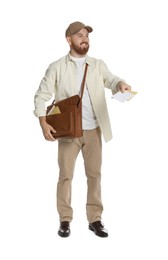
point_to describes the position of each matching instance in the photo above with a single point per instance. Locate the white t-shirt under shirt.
(89, 120)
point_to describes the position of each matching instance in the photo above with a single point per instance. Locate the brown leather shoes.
(64, 229)
(98, 228)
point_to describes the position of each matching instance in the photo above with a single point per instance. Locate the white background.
(131, 37)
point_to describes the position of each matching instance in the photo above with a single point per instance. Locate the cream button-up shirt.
(61, 80)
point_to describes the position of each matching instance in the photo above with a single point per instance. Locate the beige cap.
(75, 27)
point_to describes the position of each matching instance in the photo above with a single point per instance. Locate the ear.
(68, 38)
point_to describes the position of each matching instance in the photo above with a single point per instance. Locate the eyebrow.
(80, 34)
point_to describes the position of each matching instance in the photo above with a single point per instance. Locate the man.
(63, 78)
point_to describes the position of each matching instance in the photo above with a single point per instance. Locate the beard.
(82, 50)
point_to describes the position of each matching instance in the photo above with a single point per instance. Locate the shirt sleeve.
(45, 91)
(110, 80)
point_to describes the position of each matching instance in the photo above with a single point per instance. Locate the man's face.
(79, 42)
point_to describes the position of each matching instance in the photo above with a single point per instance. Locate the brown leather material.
(64, 229)
(98, 228)
(68, 123)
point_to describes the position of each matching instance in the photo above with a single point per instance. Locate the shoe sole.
(64, 235)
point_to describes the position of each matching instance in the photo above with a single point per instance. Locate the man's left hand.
(122, 86)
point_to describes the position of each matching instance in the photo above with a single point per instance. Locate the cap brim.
(88, 28)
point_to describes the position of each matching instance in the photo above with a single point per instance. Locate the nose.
(85, 39)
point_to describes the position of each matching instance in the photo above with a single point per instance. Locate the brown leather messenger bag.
(65, 116)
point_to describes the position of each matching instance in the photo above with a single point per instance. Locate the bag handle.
(83, 81)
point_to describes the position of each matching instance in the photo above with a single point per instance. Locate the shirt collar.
(88, 61)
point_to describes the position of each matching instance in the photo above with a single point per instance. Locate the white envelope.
(125, 96)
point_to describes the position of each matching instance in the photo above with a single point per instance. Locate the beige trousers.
(68, 150)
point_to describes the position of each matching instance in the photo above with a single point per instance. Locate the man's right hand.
(47, 129)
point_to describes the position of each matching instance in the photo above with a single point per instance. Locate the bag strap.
(83, 81)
